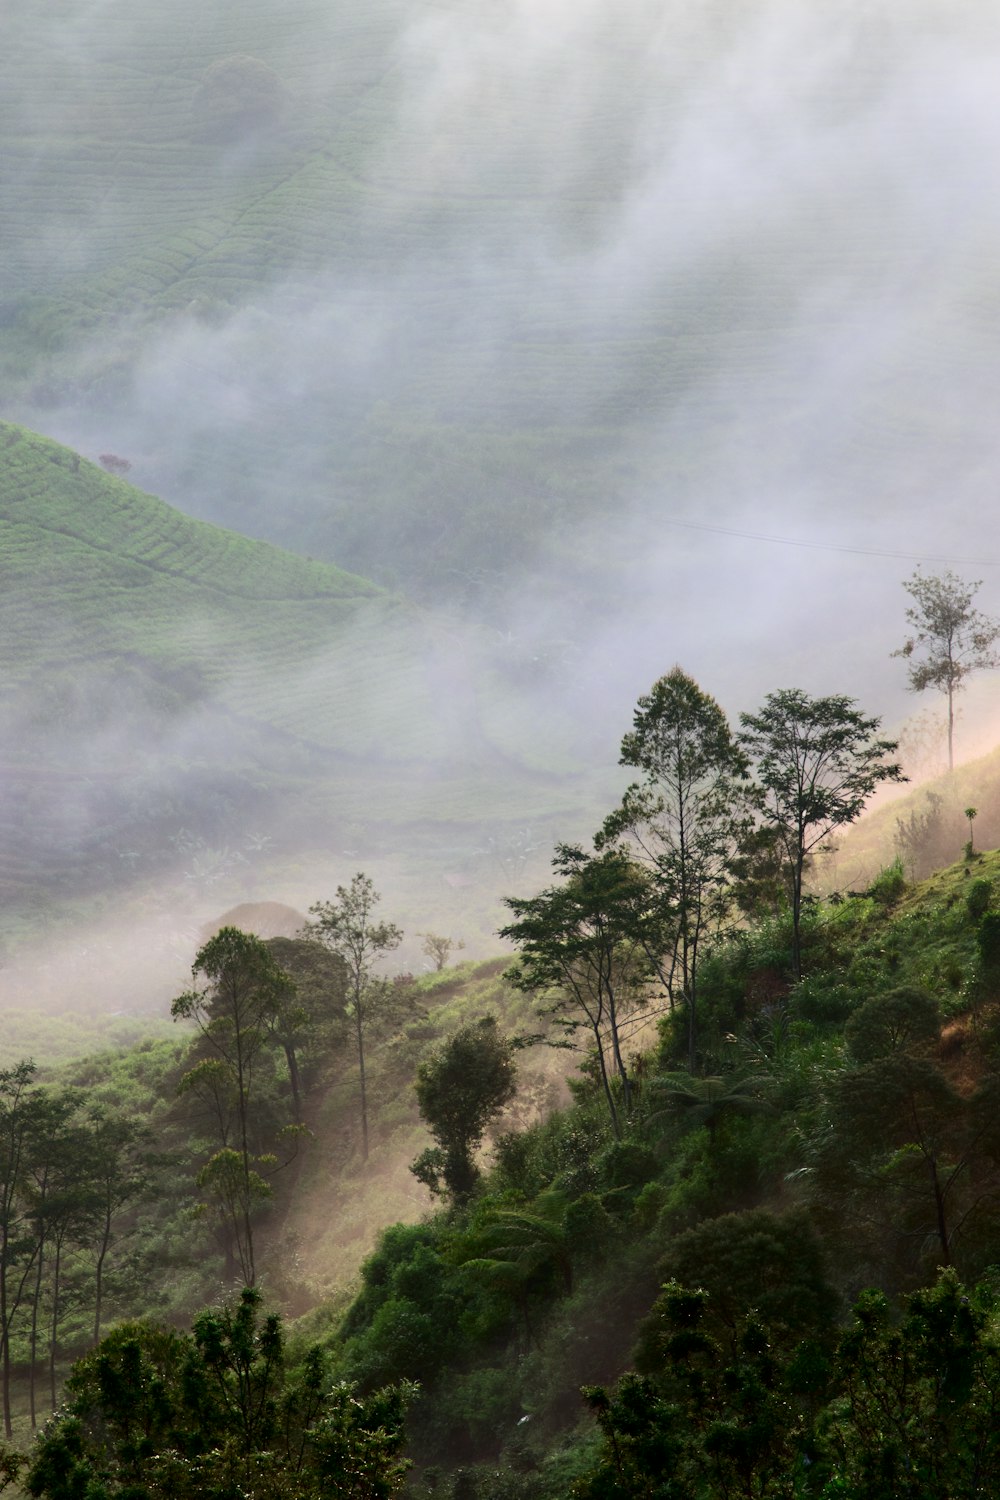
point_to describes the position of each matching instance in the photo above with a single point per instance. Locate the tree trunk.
(99, 1276)
(359, 1028)
(33, 1340)
(939, 1210)
(54, 1338)
(294, 1081)
(609, 1096)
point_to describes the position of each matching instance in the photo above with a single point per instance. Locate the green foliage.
(917, 1411)
(686, 820)
(708, 1101)
(817, 762)
(587, 941)
(710, 1417)
(348, 929)
(978, 897)
(889, 884)
(823, 1001)
(459, 1090)
(245, 1004)
(151, 1413)
(903, 1019)
(771, 1263)
(988, 942)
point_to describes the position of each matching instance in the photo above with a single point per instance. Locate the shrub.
(977, 898)
(897, 1021)
(823, 1001)
(627, 1164)
(889, 884)
(988, 941)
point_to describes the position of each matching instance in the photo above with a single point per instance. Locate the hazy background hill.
(497, 303)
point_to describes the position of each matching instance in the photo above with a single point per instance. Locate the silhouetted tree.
(587, 941)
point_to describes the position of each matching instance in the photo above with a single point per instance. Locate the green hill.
(176, 694)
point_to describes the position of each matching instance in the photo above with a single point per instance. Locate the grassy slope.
(875, 841)
(112, 573)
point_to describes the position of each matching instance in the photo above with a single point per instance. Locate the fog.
(614, 335)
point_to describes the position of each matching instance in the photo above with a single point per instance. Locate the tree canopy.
(817, 761)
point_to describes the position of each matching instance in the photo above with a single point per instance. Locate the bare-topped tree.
(951, 639)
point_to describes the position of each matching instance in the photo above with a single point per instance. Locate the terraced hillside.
(425, 288)
(171, 690)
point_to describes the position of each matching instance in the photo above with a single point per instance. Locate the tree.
(459, 1090)
(57, 1192)
(685, 820)
(950, 639)
(817, 763)
(709, 1100)
(903, 1160)
(236, 1013)
(899, 1020)
(25, 1117)
(347, 926)
(587, 940)
(517, 1251)
(214, 1414)
(120, 1175)
(439, 948)
(772, 1263)
(313, 1025)
(919, 1414)
(711, 1416)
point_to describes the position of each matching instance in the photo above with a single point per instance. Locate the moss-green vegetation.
(839, 1132)
(796, 1167)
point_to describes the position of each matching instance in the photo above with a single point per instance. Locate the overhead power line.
(785, 541)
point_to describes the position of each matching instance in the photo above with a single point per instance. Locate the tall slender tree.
(347, 926)
(585, 942)
(120, 1174)
(23, 1119)
(951, 639)
(685, 820)
(236, 1012)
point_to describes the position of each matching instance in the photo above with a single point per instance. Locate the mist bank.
(495, 306)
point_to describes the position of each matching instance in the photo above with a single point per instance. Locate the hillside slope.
(175, 692)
